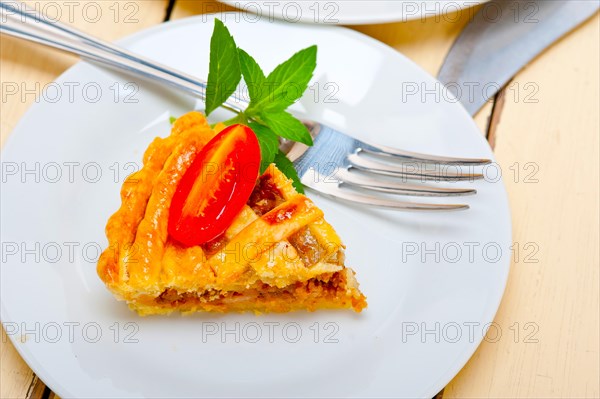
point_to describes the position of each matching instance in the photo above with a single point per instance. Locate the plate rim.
(363, 20)
(434, 388)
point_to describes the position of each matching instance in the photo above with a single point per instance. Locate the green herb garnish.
(270, 95)
(224, 72)
(287, 167)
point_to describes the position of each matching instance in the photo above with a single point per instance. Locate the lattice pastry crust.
(278, 255)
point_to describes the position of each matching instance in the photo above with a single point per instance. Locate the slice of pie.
(278, 254)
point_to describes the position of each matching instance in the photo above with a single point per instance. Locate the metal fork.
(337, 165)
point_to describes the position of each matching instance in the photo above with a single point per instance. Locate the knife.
(502, 38)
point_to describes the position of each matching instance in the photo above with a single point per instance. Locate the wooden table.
(548, 149)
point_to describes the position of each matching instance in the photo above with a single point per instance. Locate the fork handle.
(25, 24)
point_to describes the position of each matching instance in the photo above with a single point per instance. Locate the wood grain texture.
(188, 8)
(38, 389)
(558, 294)
(16, 378)
(558, 135)
(27, 66)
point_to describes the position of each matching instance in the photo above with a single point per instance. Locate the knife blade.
(502, 38)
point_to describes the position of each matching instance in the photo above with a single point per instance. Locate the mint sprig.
(286, 126)
(286, 83)
(224, 73)
(253, 75)
(270, 95)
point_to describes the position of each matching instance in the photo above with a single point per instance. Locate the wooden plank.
(16, 377)
(37, 389)
(28, 66)
(554, 140)
(188, 8)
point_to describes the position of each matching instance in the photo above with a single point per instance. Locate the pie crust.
(278, 255)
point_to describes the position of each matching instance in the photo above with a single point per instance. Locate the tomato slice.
(215, 187)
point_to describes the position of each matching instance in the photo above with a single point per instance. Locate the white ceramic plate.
(352, 12)
(416, 269)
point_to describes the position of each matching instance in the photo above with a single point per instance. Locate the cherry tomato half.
(215, 187)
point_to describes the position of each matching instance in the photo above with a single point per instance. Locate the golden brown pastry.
(278, 254)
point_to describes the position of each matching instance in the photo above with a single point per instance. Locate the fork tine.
(400, 188)
(333, 190)
(368, 165)
(395, 153)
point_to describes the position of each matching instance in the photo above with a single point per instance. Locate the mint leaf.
(269, 144)
(287, 167)
(269, 95)
(286, 83)
(287, 126)
(224, 71)
(253, 75)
